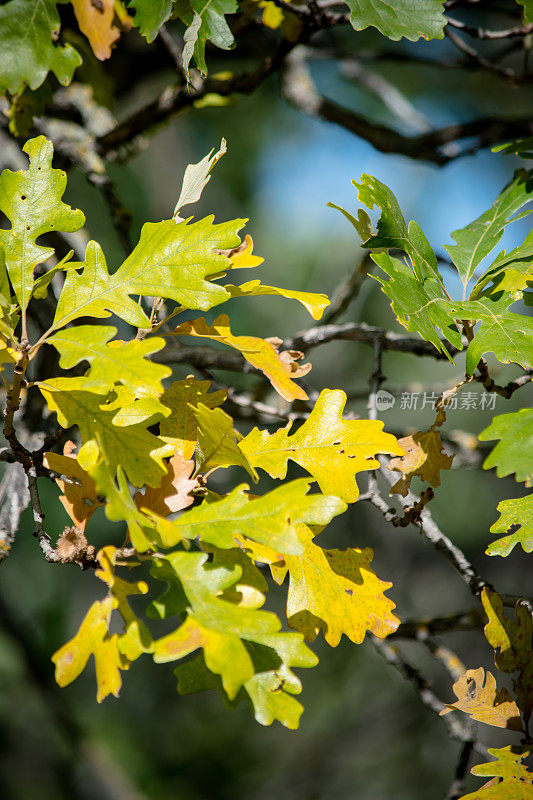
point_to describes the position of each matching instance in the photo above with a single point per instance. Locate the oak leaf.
(217, 442)
(93, 639)
(96, 21)
(180, 428)
(314, 303)
(80, 500)
(512, 641)
(270, 520)
(516, 514)
(336, 592)
(228, 634)
(260, 353)
(133, 447)
(478, 696)
(424, 458)
(333, 591)
(174, 492)
(511, 780)
(331, 449)
(31, 200)
(111, 362)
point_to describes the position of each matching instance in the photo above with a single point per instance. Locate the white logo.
(384, 400)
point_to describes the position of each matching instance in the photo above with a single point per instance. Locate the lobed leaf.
(514, 451)
(263, 354)
(512, 641)
(180, 428)
(314, 303)
(217, 442)
(31, 200)
(478, 696)
(420, 306)
(331, 449)
(111, 362)
(231, 636)
(132, 447)
(172, 260)
(518, 514)
(480, 237)
(269, 520)
(424, 457)
(81, 499)
(28, 32)
(412, 19)
(511, 779)
(333, 591)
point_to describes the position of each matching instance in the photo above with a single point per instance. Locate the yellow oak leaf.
(510, 778)
(511, 641)
(180, 428)
(93, 639)
(333, 591)
(174, 492)
(478, 696)
(424, 457)
(79, 499)
(333, 450)
(279, 368)
(314, 303)
(96, 21)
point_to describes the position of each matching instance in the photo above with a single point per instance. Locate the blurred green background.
(364, 733)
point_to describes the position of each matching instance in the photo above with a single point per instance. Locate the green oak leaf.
(502, 332)
(514, 451)
(396, 18)
(150, 15)
(509, 272)
(95, 294)
(28, 32)
(515, 513)
(269, 519)
(239, 643)
(31, 200)
(127, 363)
(217, 441)
(132, 447)
(172, 260)
(480, 237)
(418, 305)
(392, 231)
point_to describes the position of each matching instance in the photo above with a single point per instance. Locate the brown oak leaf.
(79, 499)
(424, 457)
(478, 696)
(174, 493)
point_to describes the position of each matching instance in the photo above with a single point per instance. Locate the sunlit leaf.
(31, 200)
(478, 696)
(263, 354)
(331, 449)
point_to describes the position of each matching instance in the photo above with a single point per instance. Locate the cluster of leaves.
(30, 29)
(147, 446)
(487, 319)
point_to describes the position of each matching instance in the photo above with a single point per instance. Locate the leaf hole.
(22, 196)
